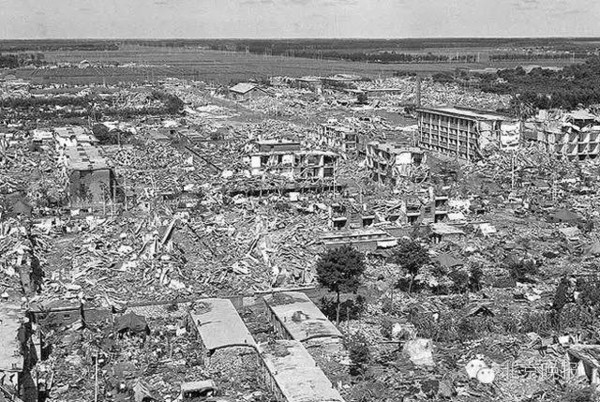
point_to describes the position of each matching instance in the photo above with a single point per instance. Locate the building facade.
(465, 133)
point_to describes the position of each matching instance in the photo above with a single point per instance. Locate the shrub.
(351, 309)
(358, 349)
(521, 271)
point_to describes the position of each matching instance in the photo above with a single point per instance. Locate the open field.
(155, 63)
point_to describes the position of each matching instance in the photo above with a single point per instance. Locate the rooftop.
(243, 87)
(300, 316)
(85, 157)
(445, 229)
(296, 373)
(219, 324)
(467, 113)
(395, 148)
(11, 358)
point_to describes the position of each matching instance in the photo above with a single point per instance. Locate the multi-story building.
(464, 133)
(390, 162)
(287, 159)
(574, 135)
(341, 138)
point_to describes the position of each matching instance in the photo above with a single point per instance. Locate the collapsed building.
(574, 135)
(287, 159)
(342, 138)
(11, 357)
(390, 163)
(465, 133)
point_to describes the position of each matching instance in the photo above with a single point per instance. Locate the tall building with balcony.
(465, 133)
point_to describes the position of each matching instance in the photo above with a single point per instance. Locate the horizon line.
(308, 38)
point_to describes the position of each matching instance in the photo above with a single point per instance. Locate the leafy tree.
(339, 270)
(411, 256)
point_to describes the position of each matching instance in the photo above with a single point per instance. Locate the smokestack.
(418, 101)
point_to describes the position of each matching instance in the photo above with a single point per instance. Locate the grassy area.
(155, 63)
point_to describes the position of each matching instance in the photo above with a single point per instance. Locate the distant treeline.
(53, 45)
(383, 57)
(537, 56)
(279, 46)
(575, 85)
(171, 104)
(20, 60)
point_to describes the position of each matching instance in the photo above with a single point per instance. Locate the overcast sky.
(296, 18)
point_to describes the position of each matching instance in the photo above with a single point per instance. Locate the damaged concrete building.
(221, 329)
(90, 176)
(336, 136)
(286, 158)
(574, 135)
(11, 356)
(465, 133)
(293, 375)
(389, 162)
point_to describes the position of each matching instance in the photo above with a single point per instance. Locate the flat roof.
(85, 157)
(300, 316)
(11, 358)
(467, 113)
(296, 373)
(220, 325)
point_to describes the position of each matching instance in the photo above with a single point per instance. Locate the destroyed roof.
(11, 358)
(444, 229)
(564, 215)
(466, 113)
(448, 260)
(83, 157)
(395, 148)
(219, 324)
(80, 133)
(581, 115)
(301, 318)
(244, 87)
(297, 375)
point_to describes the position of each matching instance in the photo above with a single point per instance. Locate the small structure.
(56, 313)
(292, 374)
(190, 391)
(295, 316)
(389, 162)
(444, 232)
(246, 90)
(219, 326)
(364, 239)
(131, 323)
